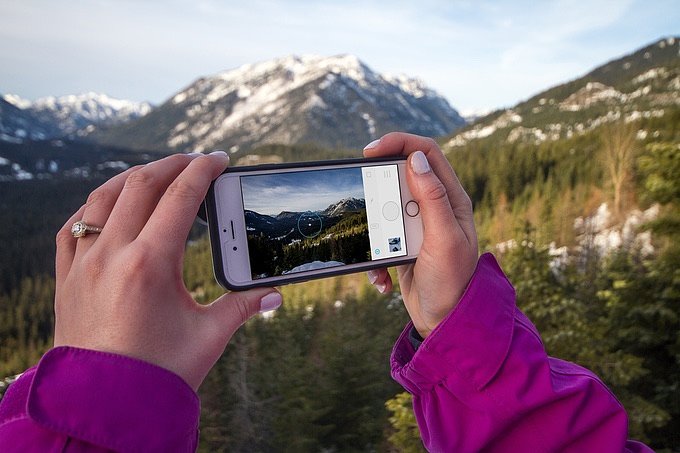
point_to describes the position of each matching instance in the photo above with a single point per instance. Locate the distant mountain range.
(285, 224)
(62, 117)
(336, 102)
(644, 84)
(314, 106)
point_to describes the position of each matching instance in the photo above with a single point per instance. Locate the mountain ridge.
(642, 84)
(58, 117)
(338, 102)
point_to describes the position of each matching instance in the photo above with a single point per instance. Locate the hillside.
(334, 102)
(642, 85)
(555, 157)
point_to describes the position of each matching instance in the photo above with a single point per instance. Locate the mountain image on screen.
(292, 242)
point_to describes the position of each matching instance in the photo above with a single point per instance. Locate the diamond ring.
(80, 229)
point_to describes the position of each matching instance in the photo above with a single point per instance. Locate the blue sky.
(300, 191)
(479, 54)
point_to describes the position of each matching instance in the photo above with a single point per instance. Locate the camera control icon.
(309, 224)
(390, 211)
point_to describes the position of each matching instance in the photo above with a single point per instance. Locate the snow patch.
(600, 231)
(114, 165)
(414, 87)
(506, 119)
(590, 94)
(17, 101)
(314, 265)
(651, 74)
(370, 123)
(20, 174)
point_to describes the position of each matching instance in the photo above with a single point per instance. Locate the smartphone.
(282, 223)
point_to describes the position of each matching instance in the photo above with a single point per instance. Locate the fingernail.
(419, 163)
(381, 287)
(373, 144)
(224, 157)
(270, 302)
(195, 154)
(372, 276)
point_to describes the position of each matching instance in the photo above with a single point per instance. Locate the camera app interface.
(305, 220)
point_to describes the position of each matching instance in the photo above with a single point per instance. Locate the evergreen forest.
(314, 376)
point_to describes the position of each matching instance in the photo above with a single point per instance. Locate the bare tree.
(618, 149)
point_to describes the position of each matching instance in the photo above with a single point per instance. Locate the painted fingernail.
(381, 287)
(270, 302)
(373, 144)
(372, 276)
(419, 163)
(224, 157)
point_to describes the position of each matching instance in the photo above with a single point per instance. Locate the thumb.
(433, 199)
(232, 310)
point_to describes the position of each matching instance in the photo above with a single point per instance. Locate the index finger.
(174, 214)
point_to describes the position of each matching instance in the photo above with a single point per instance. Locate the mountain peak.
(104, 105)
(336, 101)
(297, 66)
(350, 204)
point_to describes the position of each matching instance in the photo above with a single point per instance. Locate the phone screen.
(304, 220)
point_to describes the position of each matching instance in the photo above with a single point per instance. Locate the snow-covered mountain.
(52, 117)
(345, 205)
(333, 101)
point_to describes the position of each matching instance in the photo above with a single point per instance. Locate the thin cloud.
(479, 54)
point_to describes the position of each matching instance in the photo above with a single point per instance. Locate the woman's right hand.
(433, 285)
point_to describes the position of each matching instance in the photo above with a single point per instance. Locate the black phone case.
(211, 213)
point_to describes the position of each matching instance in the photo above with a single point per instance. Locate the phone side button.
(412, 208)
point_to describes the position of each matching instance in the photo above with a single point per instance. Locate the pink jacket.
(480, 381)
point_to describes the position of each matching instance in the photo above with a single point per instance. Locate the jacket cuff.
(114, 401)
(472, 341)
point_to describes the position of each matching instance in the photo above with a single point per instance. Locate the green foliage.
(26, 323)
(406, 435)
(661, 167)
(308, 378)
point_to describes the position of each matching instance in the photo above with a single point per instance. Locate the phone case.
(211, 213)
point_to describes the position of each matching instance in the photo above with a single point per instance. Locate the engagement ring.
(80, 229)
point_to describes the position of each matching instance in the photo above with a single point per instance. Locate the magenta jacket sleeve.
(482, 381)
(78, 400)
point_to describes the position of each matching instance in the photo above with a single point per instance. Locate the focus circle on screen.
(309, 224)
(390, 211)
